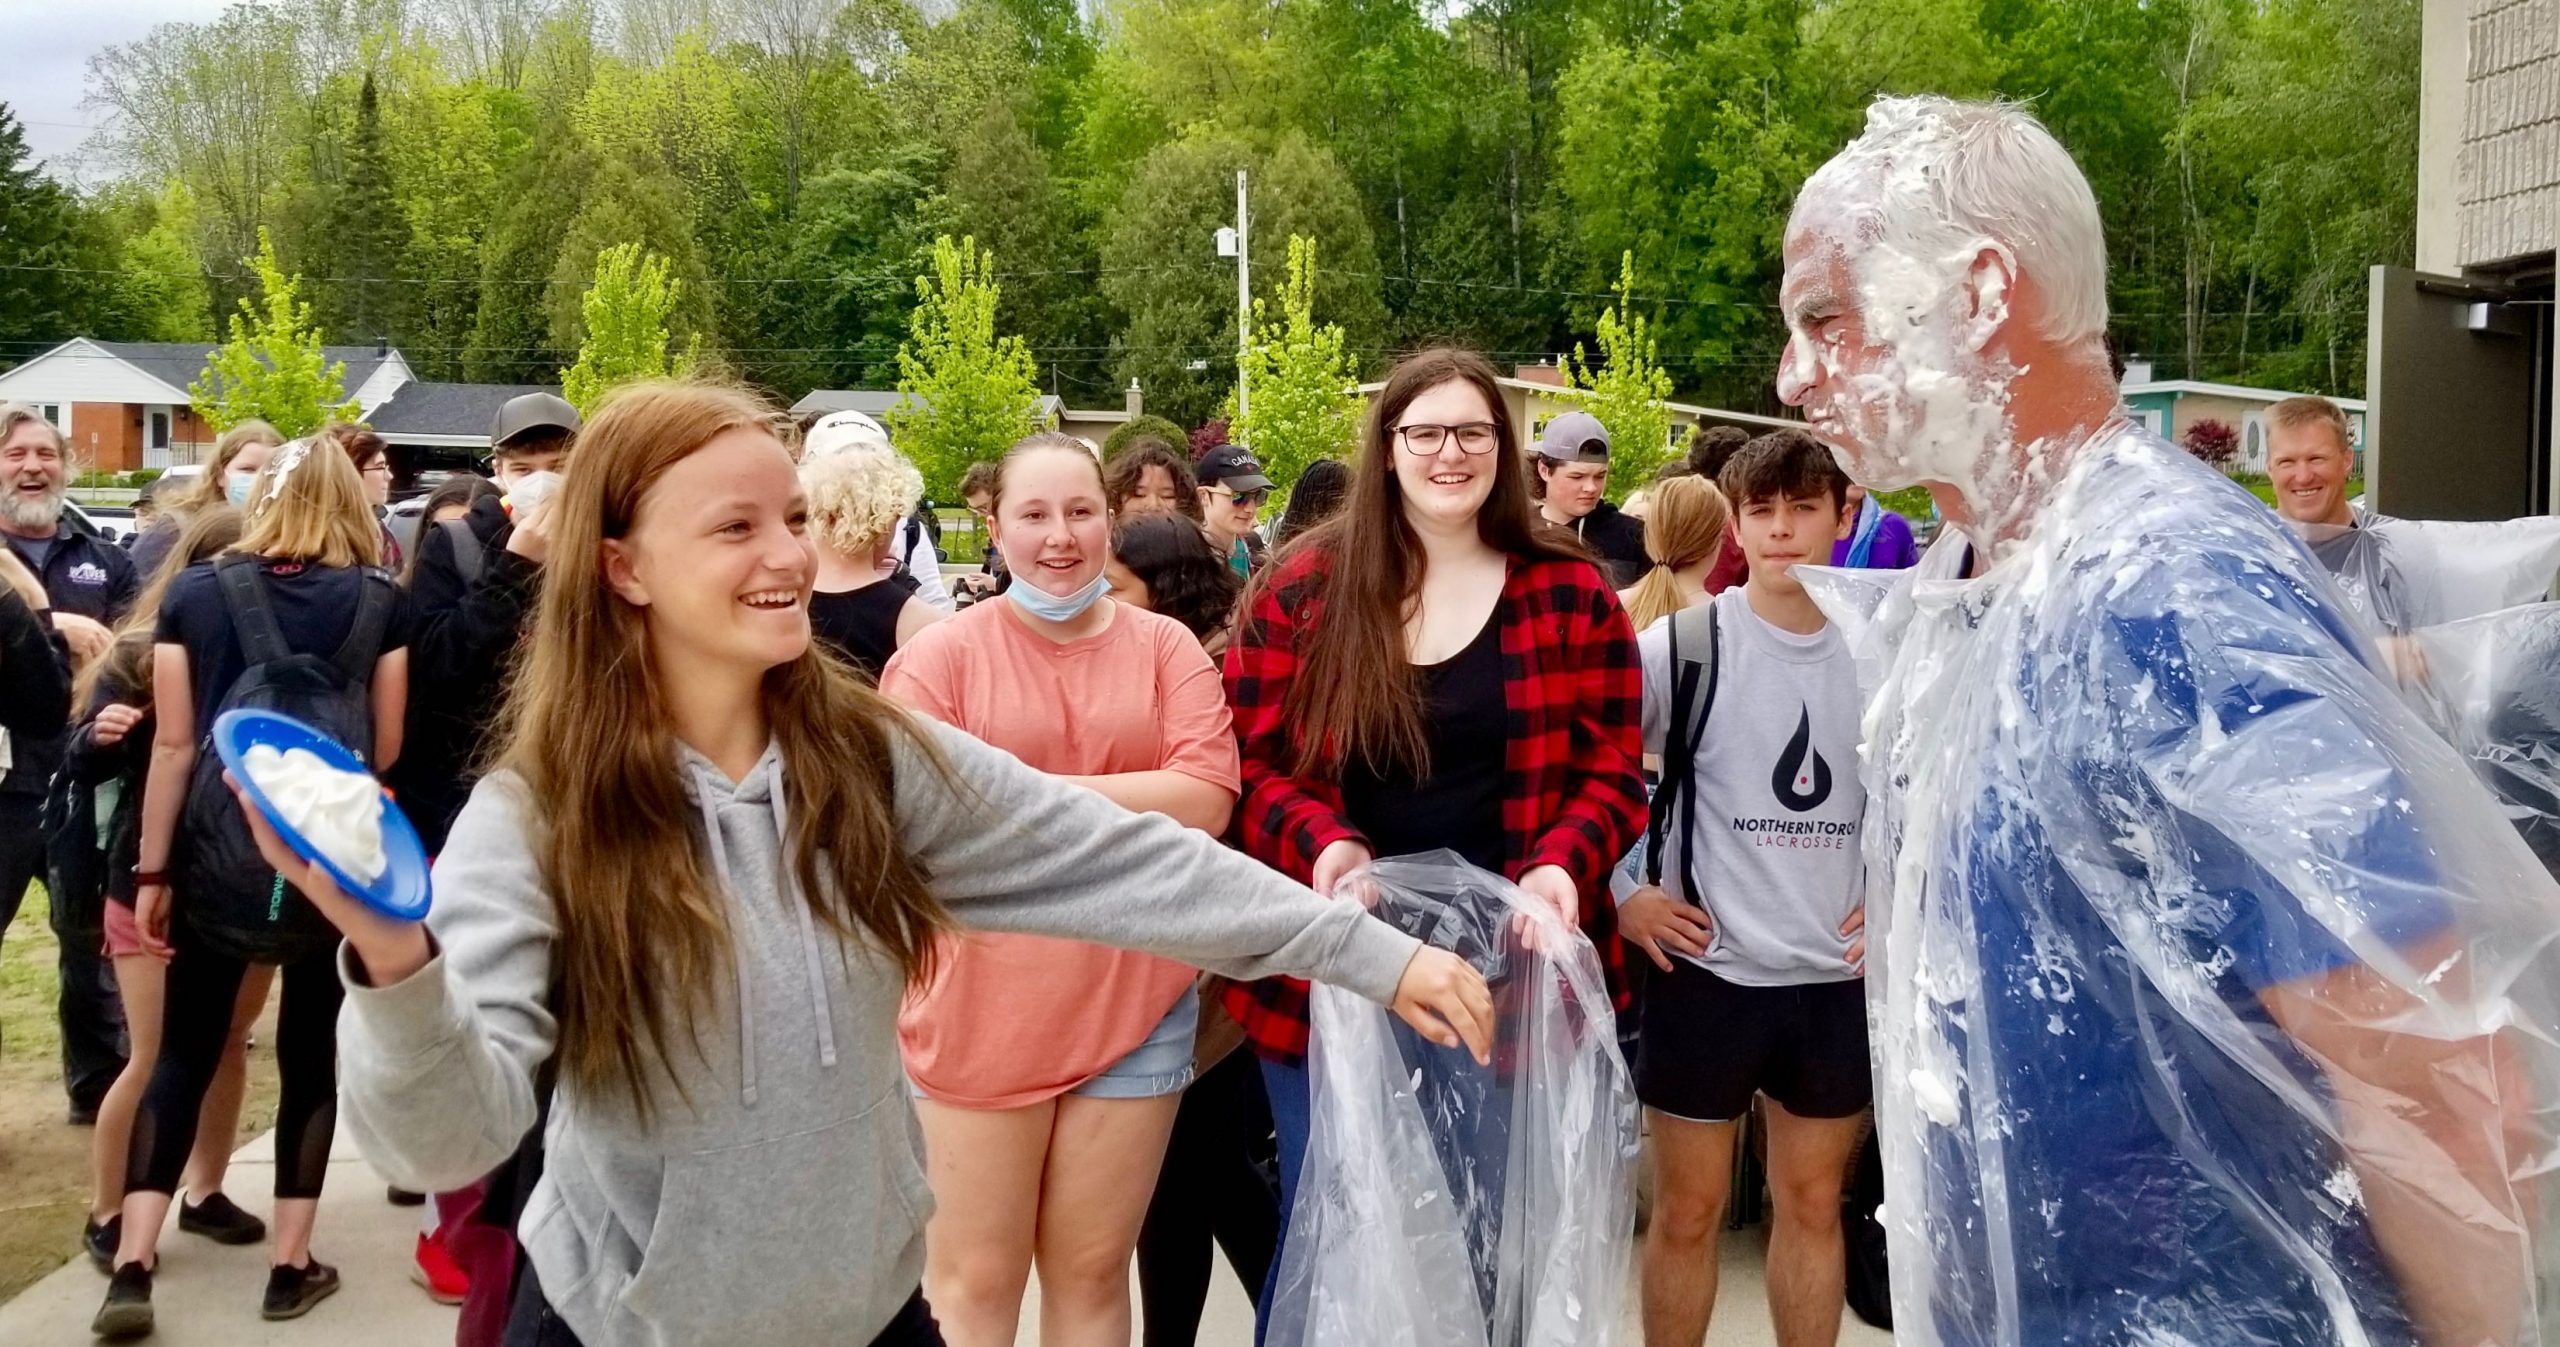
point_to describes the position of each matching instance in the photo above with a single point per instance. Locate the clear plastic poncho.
(2402, 574)
(2491, 687)
(2213, 996)
(1445, 1204)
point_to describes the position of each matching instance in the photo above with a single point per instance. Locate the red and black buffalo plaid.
(1574, 796)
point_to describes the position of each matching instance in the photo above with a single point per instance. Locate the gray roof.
(422, 408)
(876, 402)
(178, 363)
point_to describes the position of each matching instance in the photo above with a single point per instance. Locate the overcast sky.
(50, 43)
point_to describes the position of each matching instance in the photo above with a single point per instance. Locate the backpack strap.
(1693, 699)
(355, 657)
(470, 555)
(253, 619)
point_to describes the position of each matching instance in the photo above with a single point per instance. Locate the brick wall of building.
(2509, 165)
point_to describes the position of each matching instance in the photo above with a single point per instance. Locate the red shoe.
(434, 1269)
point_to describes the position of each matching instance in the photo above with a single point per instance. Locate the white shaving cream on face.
(338, 812)
(1920, 395)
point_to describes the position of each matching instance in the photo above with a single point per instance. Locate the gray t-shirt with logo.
(1779, 801)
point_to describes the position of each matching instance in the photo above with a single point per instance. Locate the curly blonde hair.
(856, 499)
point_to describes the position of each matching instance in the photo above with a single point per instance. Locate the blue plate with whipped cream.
(401, 889)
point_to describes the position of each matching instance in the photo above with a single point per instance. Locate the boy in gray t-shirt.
(1756, 929)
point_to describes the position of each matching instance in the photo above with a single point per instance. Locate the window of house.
(53, 415)
(159, 429)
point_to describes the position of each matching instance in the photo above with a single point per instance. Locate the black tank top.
(1458, 803)
(862, 624)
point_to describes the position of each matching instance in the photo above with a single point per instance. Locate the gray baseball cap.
(1575, 437)
(531, 412)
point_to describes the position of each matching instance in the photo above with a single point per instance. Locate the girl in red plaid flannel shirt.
(1432, 669)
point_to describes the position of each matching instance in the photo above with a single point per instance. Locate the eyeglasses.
(1475, 437)
(1252, 499)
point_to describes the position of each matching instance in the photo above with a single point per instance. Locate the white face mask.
(1040, 603)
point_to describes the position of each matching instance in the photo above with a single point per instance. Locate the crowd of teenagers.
(822, 947)
(688, 630)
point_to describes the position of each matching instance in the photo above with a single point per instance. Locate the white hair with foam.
(1936, 178)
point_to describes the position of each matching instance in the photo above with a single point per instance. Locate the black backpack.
(1693, 699)
(231, 898)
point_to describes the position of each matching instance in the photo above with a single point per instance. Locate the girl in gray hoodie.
(706, 871)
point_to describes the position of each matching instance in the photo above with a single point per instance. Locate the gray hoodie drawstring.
(737, 947)
(820, 1003)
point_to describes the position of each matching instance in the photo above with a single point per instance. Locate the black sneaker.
(402, 1197)
(292, 1291)
(127, 1311)
(101, 1238)
(221, 1220)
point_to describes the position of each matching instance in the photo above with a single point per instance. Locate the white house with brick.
(123, 404)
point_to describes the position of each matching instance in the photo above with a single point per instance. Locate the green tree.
(1299, 404)
(362, 248)
(271, 368)
(1628, 390)
(511, 335)
(967, 391)
(159, 284)
(625, 323)
(1180, 297)
(54, 289)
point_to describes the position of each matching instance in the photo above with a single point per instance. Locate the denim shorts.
(1158, 1067)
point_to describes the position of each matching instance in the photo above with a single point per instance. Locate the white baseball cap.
(844, 433)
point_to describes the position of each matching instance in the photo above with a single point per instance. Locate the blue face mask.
(1042, 604)
(235, 486)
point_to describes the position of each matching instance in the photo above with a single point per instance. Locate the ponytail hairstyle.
(644, 933)
(1686, 525)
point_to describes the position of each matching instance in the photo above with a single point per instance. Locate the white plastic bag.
(1444, 1204)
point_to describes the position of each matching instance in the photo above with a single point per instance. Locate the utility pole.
(1236, 243)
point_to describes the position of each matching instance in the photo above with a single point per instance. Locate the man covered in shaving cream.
(2210, 994)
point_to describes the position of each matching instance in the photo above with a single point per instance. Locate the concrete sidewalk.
(207, 1294)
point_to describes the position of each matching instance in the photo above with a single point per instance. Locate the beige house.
(2463, 374)
(1088, 424)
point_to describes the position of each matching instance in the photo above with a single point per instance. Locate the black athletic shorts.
(1705, 1046)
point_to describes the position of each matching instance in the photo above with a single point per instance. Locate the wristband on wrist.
(143, 878)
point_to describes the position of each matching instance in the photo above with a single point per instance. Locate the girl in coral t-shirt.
(1049, 1071)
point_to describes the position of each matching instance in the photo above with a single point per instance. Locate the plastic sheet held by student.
(2214, 997)
(2403, 574)
(1444, 1204)
(2491, 685)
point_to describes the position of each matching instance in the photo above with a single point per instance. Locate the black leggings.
(194, 1027)
(1218, 1182)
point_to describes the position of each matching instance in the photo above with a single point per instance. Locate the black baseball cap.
(531, 412)
(1232, 466)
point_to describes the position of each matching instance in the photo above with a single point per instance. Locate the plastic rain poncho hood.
(2135, 791)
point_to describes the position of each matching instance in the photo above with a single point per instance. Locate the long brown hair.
(209, 532)
(1685, 525)
(1355, 696)
(644, 935)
